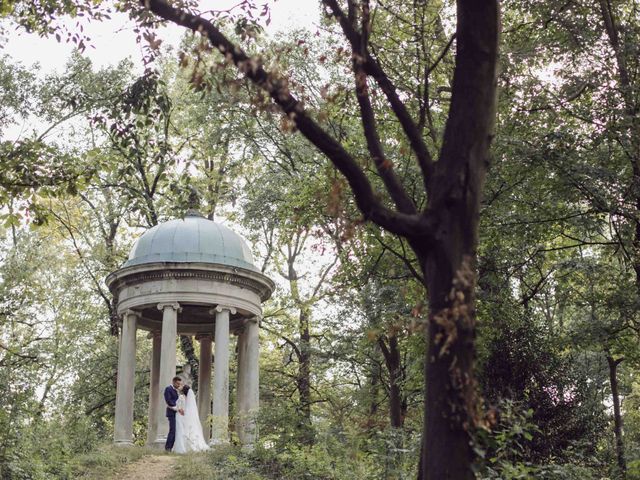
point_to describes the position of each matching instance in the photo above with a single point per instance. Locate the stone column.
(123, 428)
(154, 386)
(167, 364)
(220, 426)
(204, 383)
(241, 386)
(248, 383)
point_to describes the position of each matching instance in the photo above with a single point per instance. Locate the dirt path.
(150, 467)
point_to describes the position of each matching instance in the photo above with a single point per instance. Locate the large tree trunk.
(449, 263)
(617, 418)
(450, 402)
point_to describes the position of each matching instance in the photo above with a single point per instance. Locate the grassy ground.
(221, 463)
(226, 463)
(106, 461)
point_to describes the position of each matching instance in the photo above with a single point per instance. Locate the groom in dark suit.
(171, 397)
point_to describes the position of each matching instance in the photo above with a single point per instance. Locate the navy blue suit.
(171, 397)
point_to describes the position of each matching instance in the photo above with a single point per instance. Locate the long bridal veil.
(189, 437)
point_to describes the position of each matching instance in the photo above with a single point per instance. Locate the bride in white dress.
(189, 437)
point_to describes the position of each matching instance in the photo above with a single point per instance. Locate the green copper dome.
(192, 239)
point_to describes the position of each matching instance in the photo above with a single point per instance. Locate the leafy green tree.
(453, 184)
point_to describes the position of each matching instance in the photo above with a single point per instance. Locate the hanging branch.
(368, 202)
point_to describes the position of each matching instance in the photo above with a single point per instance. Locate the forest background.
(104, 153)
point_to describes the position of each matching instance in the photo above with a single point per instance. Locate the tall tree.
(443, 234)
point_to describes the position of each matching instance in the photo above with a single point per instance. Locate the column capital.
(255, 319)
(221, 308)
(132, 312)
(204, 336)
(154, 334)
(174, 305)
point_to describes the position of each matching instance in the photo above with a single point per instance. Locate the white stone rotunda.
(192, 277)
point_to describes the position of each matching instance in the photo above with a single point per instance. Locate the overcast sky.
(114, 39)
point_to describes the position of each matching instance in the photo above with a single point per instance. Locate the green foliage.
(633, 470)
(219, 464)
(504, 447)
(505, 450)
(58, 449)
(392, 452)
(322, 461)
(292, 462)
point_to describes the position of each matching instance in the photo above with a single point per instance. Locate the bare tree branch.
(366, 199)
(372, 67)
(383, 166)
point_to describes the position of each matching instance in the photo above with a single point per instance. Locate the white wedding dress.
(189, 437)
